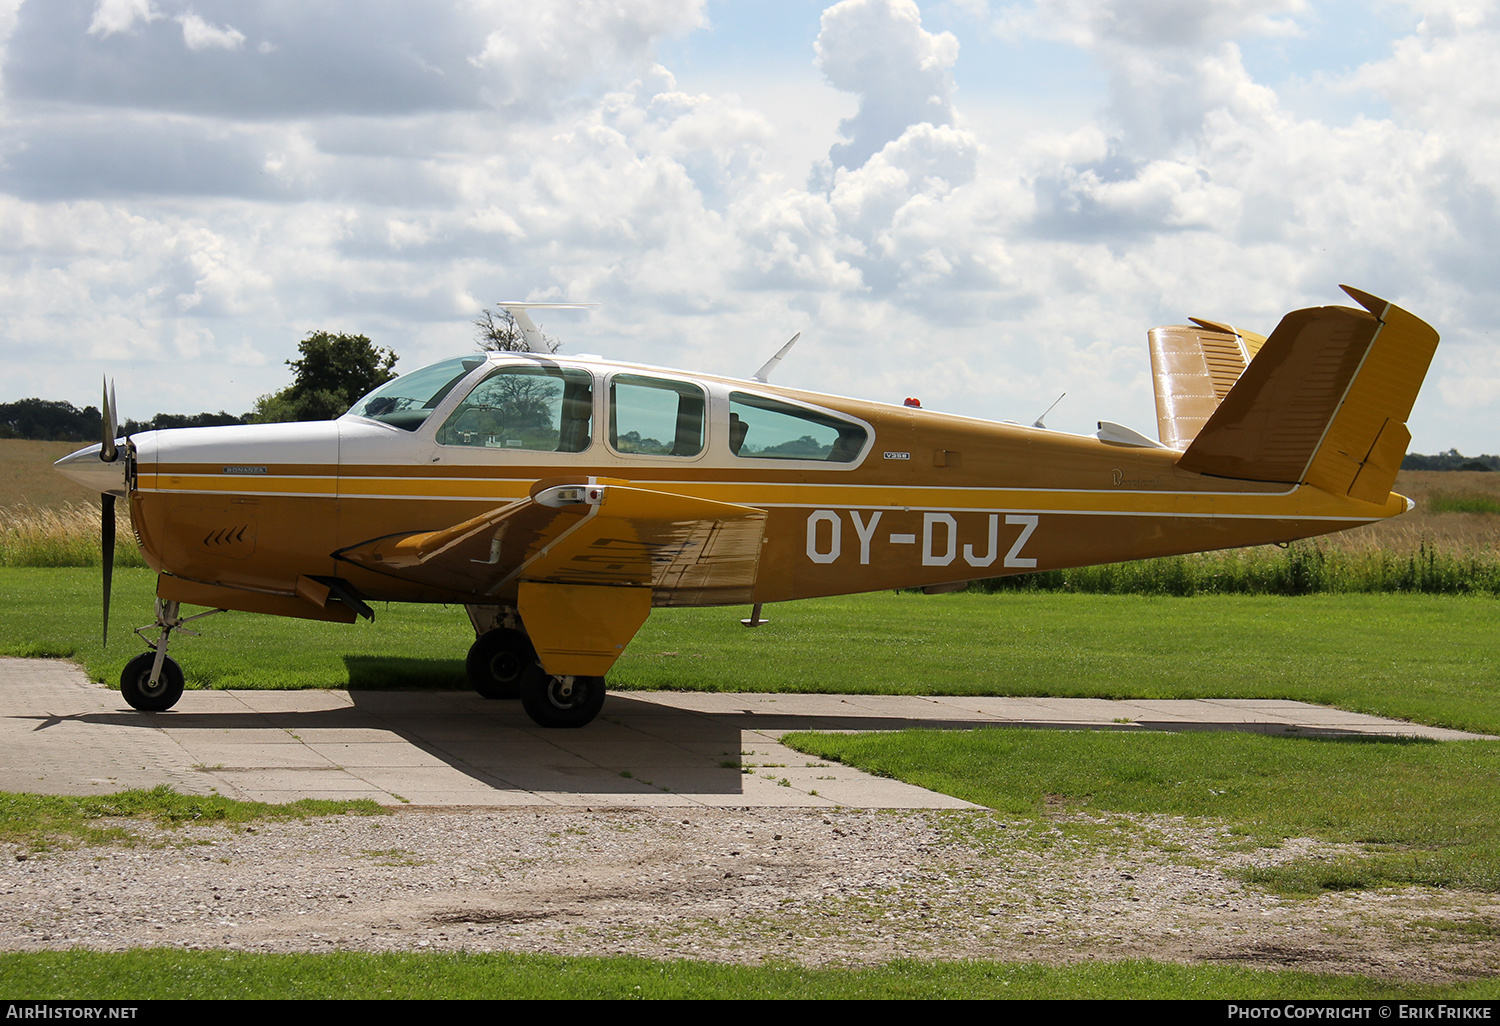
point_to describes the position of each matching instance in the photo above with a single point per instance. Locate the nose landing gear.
(153, 682)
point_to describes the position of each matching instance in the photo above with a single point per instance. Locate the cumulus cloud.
(1151, 24)
(113, 16)
(190, 213)
(379, 58)
(1181, 110)
(903, 163)
(548, 48)
(1170, 62)
(200, 35)
(879, 50)
(925, 159)
(1443, 75)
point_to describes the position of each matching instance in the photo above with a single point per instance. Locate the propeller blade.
(107, 551)
(108, 451)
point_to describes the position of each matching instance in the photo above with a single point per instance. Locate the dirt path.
(733, 885)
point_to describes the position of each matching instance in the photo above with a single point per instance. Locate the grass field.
(1435, 519)
(27, 477)
(166, 974)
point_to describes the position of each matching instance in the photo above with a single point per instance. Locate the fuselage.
(869, 496)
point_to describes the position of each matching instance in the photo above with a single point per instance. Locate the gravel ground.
(732, 885)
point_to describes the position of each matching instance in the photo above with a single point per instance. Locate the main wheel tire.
(497, 662)
(136, 688)
(544, 701)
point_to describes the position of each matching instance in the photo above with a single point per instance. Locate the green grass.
(39, 821)
(1451, 502)
(1432, 659)
(165, 974)
(1428, 812)
(1303, 568)
(54, 613)
(1429, 658)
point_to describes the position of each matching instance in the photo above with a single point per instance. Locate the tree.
(49, 419)
(335, 370)
(499, 333)
(179, 420)
(57, 421)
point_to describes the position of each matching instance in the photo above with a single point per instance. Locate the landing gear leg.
(153, 682)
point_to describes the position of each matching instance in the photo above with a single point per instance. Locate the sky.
(979, 203)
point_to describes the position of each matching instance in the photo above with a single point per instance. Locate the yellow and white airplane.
(559, 499)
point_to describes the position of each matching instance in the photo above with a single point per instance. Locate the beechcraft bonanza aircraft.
(559, 499)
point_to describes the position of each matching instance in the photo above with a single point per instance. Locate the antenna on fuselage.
(535, 340)
(770, 364)
(1038, 422)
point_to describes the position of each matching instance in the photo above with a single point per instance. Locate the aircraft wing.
(585, 531)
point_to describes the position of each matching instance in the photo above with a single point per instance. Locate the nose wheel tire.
(137, 689)
(561, 701)
(497, 662)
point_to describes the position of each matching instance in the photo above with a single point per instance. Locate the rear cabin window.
(531, 409)
(766, 429)
(655, 416)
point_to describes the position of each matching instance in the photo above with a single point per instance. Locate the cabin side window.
(767, 429)
(655, 416)
(532, 409)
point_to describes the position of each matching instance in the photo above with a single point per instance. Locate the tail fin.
(1324, 402)
(1193, 369)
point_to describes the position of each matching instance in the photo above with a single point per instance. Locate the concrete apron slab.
(61, 734)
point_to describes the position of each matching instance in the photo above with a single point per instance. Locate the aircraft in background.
(559, 499)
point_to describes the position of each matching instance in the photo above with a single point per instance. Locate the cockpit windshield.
(407, 401)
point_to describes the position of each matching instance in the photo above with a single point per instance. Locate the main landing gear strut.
(152, 681)
(502, 663)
